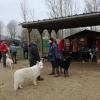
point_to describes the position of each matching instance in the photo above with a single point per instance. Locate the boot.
(57, 73)
(52, 73)
(66, 74)
(61, 72)
(40, 78)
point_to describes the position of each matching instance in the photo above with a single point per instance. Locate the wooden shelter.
(75, 21)
(86, 37)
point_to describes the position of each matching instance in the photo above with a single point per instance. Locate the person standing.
(53, 57)
(25, 50)
(60, 48)
(4, 51)
(34, 56)
(0, 53)
(13, 52)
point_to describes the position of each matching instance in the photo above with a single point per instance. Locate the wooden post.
(56, 32)
(49, 31)
(41, 33)
(29, 36)
(29, 40)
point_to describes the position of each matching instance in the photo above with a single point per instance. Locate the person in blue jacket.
(53, 57)
(13, 51)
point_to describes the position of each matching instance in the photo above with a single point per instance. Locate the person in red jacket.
(4, 51)
(60, 48)
(60, 45)
(0, 52)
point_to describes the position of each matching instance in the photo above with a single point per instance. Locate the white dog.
(27, 73)
(9, 62)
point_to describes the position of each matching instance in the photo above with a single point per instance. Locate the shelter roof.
(82, 20)
(85, 33)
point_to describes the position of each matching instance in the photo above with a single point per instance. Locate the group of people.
(58, 55)
(5, 49)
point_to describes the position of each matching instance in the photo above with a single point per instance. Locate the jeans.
(55, 67)
(13, 54)
(25, 53)
(0, 56)
(4, 60)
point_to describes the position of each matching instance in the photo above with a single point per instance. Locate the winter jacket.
(3, 48)
(53, 52)
(13, 48)
(60, 46)
(33, 52)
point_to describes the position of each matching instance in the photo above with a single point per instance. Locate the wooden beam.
(29, 36)
(75, 21)
(56, 31)
(41, 33)
(49, 31)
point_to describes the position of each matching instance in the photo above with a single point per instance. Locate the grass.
(19, 53)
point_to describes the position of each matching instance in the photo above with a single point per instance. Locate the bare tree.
(27, 14)
(24, 35)
(12, 28)
(1, 28)
(62, 8)
(59, 8)
(32, 14)
(52, 8)
(24, 10)
(92, 6)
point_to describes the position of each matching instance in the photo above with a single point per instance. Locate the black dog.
(65, 63)
(45, 58)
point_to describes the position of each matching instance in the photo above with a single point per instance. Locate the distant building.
(87, 38)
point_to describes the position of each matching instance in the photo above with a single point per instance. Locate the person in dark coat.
(34, 56)
(25, 50)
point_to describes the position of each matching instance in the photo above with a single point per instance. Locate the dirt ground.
(83, 84)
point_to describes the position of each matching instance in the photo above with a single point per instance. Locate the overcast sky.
(10, 9)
